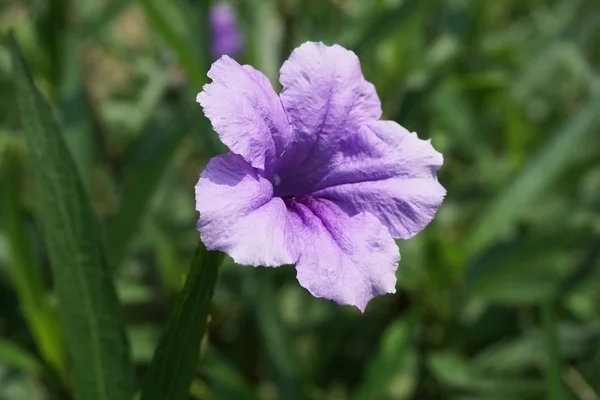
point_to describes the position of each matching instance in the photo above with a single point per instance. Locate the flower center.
(283, 189)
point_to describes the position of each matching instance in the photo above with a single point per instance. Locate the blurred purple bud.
(226, 38)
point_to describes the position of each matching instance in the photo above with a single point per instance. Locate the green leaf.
(143, 340)
(98, 20)
(4, 60)
(538, 72)
(25, 273)
(14, 356)
(172, 369)
(556, 390)
(455, 372)
(385, 24)
(51, 29)
(227, 381)
(556, 155)
(145, 166)
(454, 112)
(90, 312)
(75, 110)
(276, 339)
(201, 391)
(171, 269)
(266, 38)
(196, 14)
(393, 368)
(161, 24)
(529, 350)
(523, 271)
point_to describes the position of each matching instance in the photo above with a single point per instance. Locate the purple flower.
(314, 178)
(225, 36)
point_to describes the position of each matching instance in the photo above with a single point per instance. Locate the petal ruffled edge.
(346, 259)
(244, 110)
(240, 216)
(390, 173)
(326, 98)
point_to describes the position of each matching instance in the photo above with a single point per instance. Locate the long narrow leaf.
(172, 369)
(26, 275)
(89, 308)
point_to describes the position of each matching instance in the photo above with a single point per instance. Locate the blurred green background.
(497, 299)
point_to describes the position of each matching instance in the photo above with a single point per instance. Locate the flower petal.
(240, 216)
(326, 98)
(245, 111)
(346, 259)
(388, 172)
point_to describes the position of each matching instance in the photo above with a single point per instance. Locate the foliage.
(496, 299)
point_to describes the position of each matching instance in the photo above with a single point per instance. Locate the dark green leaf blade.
(89, 307)
(172, 369)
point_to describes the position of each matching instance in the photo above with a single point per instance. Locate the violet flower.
(225, 35)
(314, 178)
